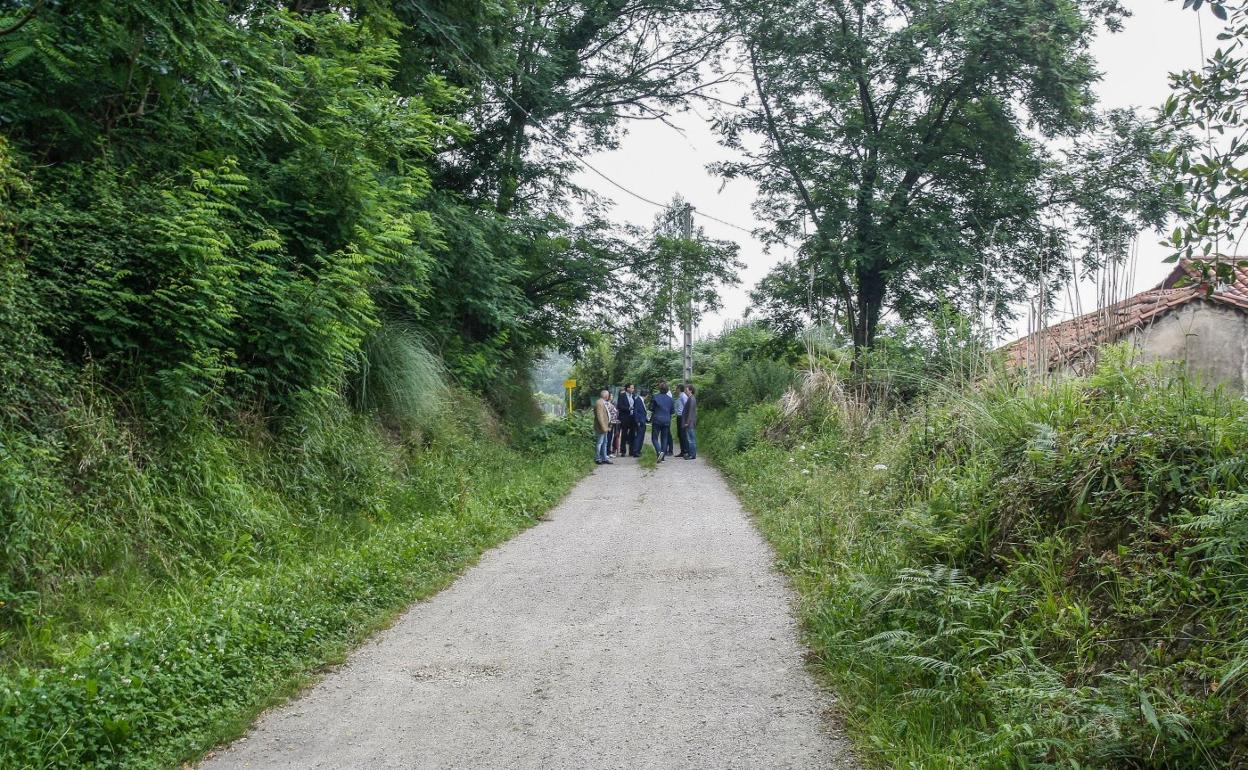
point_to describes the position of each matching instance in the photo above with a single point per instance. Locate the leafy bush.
(1023, 576)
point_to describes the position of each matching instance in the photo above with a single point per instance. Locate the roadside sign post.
(569, 385)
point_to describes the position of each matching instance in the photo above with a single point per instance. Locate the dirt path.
(642, 627)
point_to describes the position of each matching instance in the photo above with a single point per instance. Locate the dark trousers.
(661, 437)
(639, 438)
(679, 435)
(628, 427)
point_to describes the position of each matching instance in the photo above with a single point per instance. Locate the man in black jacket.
(628, 424)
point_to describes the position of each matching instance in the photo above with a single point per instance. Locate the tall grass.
(1023, 576)
(398, 378)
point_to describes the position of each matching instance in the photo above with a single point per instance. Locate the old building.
(1182, 319)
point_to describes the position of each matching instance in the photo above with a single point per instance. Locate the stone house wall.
(1211, 339)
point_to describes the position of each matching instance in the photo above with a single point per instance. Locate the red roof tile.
(1070, 340)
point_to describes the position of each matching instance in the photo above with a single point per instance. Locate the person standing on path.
(661, 406)
(689, 424)
(682, 397)
(628, 425)
(639, 425)
(602, 428)
(613, 438)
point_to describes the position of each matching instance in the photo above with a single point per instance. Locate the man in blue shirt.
(661, 406)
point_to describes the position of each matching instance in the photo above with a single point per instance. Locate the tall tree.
(903, 145)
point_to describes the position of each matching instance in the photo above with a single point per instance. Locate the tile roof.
(1071, 340)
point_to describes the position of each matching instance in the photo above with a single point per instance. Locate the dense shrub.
(1041, 576)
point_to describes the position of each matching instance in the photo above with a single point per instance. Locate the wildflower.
(879, 467)
(125, 680)
(805, 471)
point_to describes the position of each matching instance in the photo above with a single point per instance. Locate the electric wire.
(554, 137)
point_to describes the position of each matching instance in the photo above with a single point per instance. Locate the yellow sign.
(569, 385)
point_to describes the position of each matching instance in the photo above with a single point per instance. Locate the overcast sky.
(659, 161)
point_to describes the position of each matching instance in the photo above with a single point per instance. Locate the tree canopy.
(906, 150)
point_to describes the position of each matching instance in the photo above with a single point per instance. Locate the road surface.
(642, 626)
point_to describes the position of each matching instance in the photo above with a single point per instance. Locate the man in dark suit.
(639, 424)
(689, 424)
(661, 406)
(628, 424)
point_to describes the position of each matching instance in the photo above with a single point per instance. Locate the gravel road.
(643, 626)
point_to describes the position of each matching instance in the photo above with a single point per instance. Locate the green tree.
(683, 275)
(903, 148)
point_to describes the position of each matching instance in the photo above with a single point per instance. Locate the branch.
(34, 9)
(807, 200)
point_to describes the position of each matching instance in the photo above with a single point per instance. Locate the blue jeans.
(690, 443)
(661, 437)
(603, 440)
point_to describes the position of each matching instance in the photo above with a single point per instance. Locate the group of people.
(620, 425)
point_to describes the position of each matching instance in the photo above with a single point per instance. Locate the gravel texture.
(642, 626)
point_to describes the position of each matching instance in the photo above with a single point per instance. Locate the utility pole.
(686, 230)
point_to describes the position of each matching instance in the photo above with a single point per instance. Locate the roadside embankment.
(1039, 576)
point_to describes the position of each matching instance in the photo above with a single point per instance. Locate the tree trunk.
(870, 300)
(511, 164)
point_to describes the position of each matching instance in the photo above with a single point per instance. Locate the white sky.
(658, 161)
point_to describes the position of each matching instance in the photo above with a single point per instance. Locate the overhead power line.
(551, 134)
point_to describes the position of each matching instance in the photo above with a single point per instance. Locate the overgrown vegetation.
(163, 588)
(1015, 575)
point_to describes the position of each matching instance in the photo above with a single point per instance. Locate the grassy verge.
(1046, 577)
(159, 591)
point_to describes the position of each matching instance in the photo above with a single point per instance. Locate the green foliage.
(157, 592)
(221, 202)
(1018, 577)
(915, 172)
(740, 367)
(221, 211)
(1209, 103)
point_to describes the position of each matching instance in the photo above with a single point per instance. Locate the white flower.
(805, 471)
(879, 467)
